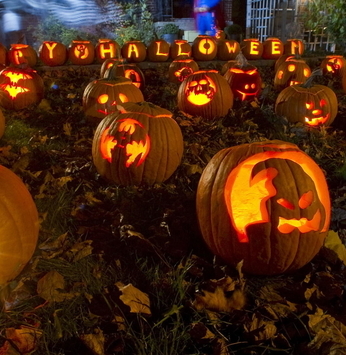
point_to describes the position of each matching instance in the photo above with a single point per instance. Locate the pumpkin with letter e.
(141, 144)
(19, 229)
(264, 203)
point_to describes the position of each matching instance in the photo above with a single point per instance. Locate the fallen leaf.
(137, 300)
(333, 242)
(95, 342)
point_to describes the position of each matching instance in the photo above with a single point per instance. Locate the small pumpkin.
(308, 103)
(180, 47)
(180, 68)
(264, 203)
(158, 50)
(53, 53)
(134, 51)
(204, 48)
(141, 144)
(19, 227)
(333, 65)
(227, 49)
(22, 54)
(81, 52)
(205, 93)
(252, 48)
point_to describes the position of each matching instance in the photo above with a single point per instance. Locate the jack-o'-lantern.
(204, 48)
(20, 88)
(22, 54)
(244, 80)
(158, 50)
(19, 228)
(264, 203)
(106, 49)
(281, 59)
(108, 63)
(333, 65)
(294, 46)
(180, 47)
(141, 144)
(252, 48)
(131, 71)
(312, 104)
(220, 34)
(101, 96)
(291, 72)
(205, 93)
(134, 51)
(3, 55)
(227, 49)
(81, 52)
(53, 53)
(273, 48)
(180, 68)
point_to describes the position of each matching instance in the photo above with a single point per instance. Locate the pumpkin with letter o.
(19, 229)
(204, 48)
(141, 144)
(264, 203)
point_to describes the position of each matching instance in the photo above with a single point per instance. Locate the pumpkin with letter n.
(266, 203)
(141, 144)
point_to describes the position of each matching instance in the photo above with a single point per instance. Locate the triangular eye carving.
(306, 199)
(285, 203)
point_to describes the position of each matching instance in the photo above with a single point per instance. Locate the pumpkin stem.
(241, 60)
(110, 72)
(311, 78)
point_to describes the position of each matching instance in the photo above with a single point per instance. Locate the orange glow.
(306, 72)
(133, 76)
(296, 46)
(291, 67)
(50, 46)
(17, 54)
(246, 196)
(317, 117)
(107, 144)
(183, 73)
(180, 50)
(200, 92)
(306, 200)
(15, 77)
(123, 98)
(231, 47)
(81, 51)
(109, 52)
(135, 149)
(158, 52)
(206, 46)
(276, 47)
(132, 49)
(284, 203)
(280, 74)
(14, 91)
(102, 99)
(254, 48)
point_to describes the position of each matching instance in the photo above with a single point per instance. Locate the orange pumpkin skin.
(53, 53)
(158, 51)
(22, 54)
(314, 106)
(205, 93)
(273, 48)
(266, 203)
(134, 51)
(3, 55)
(294, 46)
(108, 63)
(141, 144)
(252, 48)
(106, 49)
(180, 68)
(131, 71)
(180, 47)
(19, 229)
(81, 52)
(281, 59)
(334, 65)
(227, 49)
(20, 88)
(204, 48)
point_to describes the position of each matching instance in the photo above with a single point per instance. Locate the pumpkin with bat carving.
(264, 203)
(19, 228)
(20, 88)
(205, 93)
(141, 144)
(180, 68)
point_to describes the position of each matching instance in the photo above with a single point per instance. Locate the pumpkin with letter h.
(266, 203)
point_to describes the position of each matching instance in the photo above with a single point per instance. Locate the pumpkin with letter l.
(19, 228)
(266, 203)
(141, 144)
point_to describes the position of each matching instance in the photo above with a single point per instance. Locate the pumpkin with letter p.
(266, 203)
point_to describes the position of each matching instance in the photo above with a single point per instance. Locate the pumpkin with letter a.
(19, 228)
(205, 93)
(134, 51)
(141, 144)
(308, 103)
(266, 203)
(20, 88)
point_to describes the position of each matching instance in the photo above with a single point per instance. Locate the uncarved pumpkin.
(19, 225)
(266, 204)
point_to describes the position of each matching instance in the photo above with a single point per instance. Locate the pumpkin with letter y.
(266, 203)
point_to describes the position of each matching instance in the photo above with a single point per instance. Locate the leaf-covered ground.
(124, 270)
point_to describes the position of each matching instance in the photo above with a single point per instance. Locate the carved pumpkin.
(291, 72)
(205, 93)
(180, 47)
(108, 63)
(273, 48)
(281, 59)
(227, 49)
(204, 48)
(244, 80)
(81, 52)
(22, 54)
(134, 51)
(266, 203)
(106, 49)
(53, 53)
(20, 88)
(333, 65)
(19, 229)
(139, 145)
(252, 48)
(180, 68)
(131, 71)
(294, 46)
(101, 97)
(313, 105)
(158, 50)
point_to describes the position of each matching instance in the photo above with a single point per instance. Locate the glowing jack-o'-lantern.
(266, 203)
(81, 52)
(181, 68)
(291, 72)
(227, 49)
(134, 51)
(244, 80)
(294, 46)
(252, 48)
(101, 97)
(273, 48)
(158, 50)
(106, 49)
(53, 53)
(333, 65)
(205, 93)
(204, 48)
(22, 54)
(141, 144)
(313, 105)
(108, 63)
(131, 71)
(20, 88)
(180, 47)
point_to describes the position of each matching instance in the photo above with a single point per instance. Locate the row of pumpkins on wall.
(81, 52)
